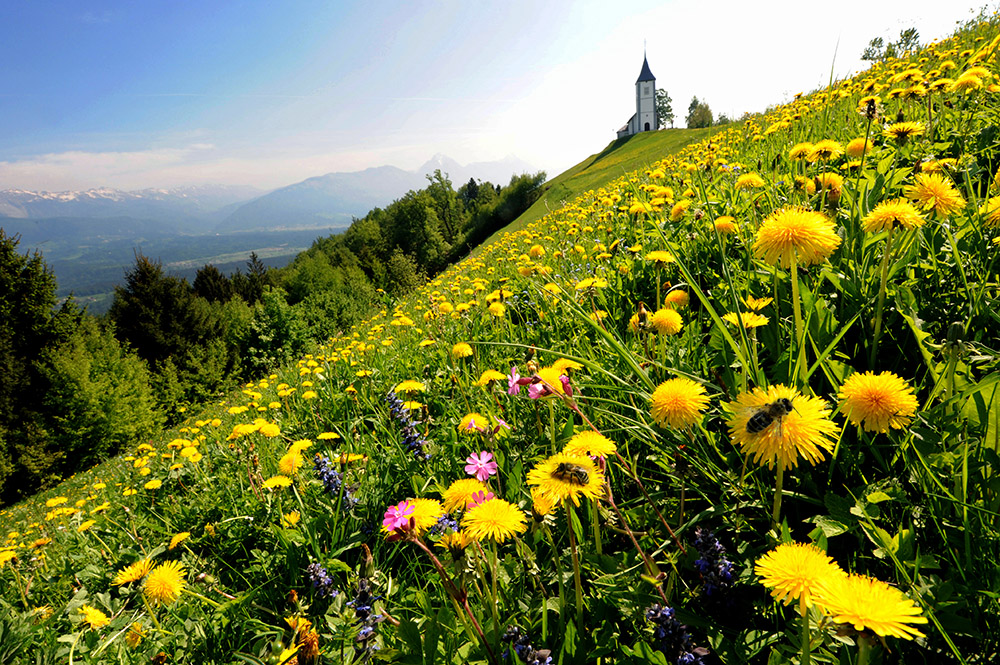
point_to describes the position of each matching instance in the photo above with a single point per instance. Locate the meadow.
(739, 406)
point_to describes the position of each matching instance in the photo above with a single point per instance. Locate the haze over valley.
(90, 237)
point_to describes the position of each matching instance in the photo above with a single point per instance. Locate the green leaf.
(877, 497)
(829, 526)
(410, 634)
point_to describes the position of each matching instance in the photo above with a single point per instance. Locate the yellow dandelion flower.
(757, 304)
(455, 542)
(825, 150)
(888, 214)
(472, 422)
(425, 514)
(990, 212)
(800, 151)
(154, 484)
(901, 132)
(591, 444)
(678, 403)
(277, 482)
(458, 496)
(803, 184)
(749, 181)
(660, 257)
(857, 147)
(290, 519)
(676, 298)
(934, 191)
(831, 184)
(85, 526)
(542, 503)
(552, 377)
(869, 604)
(497, 310)
(409, 387)
(877, 402)
(565, 366)
(165, 583)
(591, 284)
(488, 377)
(133, 572)
(679, 209)
(805, 431)
(56, 501)
(967, 82)
(666, 321)
(178, 539)
(563, 476)
(461, 350)
(135, 634)
(725, 225)
(748, 320)
(290, 463)
(796, 233)
(794, 571)
(94, 617)
(494, 520)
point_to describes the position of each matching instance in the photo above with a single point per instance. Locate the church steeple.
(645, 74)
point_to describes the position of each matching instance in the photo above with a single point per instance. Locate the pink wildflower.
(480, 497)
(398, 517)
(481, 465)
(513, 381)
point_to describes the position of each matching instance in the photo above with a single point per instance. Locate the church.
(644, 119)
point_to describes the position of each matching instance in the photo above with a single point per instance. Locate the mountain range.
(326, 201)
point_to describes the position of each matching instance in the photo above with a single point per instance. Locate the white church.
(644, 119)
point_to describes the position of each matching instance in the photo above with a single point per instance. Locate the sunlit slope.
(618, 158)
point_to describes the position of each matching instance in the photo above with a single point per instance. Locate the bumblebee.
(571, 473)
(769, 413)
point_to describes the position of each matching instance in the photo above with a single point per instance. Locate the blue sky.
(148, 93)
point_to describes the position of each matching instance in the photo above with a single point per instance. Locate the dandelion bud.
(870, 110)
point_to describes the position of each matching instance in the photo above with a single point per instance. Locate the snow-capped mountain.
(202, 203)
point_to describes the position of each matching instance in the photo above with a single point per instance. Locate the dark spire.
(645, 74)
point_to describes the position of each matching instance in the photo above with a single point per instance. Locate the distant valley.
(89, 238)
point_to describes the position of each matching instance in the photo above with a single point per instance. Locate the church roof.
(645, 74)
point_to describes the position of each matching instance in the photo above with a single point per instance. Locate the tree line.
(79, 388)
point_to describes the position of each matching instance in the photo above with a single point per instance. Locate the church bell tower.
(645, 100)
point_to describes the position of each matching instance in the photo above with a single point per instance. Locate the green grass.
(621, 156)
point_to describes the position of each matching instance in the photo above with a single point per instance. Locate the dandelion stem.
(805, 647)
(149, 610)
(886, 254)
(779, 481)
(552, 424)
(864, 649)
(577, 582)
(595, 518)
(799, 345)
(458, 595)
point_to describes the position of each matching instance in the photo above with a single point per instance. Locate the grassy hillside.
(619, 157)
(708, 411)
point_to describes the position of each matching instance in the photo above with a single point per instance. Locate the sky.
(164, 94)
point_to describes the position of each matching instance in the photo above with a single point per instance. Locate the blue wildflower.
(521, 645)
